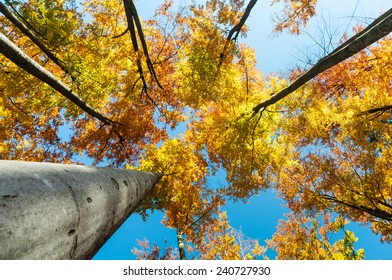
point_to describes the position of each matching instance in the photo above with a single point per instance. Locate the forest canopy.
(118, 85)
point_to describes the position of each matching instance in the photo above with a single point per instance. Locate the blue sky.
(258, 217)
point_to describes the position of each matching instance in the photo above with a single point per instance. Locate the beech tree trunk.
(59, 211)
(375, 31)
(17, 56)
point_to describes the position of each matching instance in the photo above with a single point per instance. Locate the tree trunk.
(25, 30)
(181, 244)
(58, 211)
(17, 56)
(378, 29)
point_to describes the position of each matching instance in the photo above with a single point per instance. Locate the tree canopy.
(117, 84)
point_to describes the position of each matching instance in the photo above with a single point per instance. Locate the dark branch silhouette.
(380, 110)
(235, 31)
(134, 25)
(375, 211)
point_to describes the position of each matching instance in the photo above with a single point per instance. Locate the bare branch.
(378, 213)
(121, 34)
(30, 27)
(236, 29)
(17, 107)
(253, 146)
(204, 214)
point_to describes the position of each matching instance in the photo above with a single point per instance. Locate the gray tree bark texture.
(60, 211)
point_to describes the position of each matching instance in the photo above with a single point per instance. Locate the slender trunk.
(22, 27)
(58, 211)
(381, 27)
(17, 56)
(181, 245)
(134, 25)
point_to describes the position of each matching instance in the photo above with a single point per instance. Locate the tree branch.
(143, 42)
(381, 110)
(121, 34)
(133, 20)
(237, 29)
(378, 213)
(204, 214)
(381, 27)
(30, 27)
(19, 108)
(17, 56)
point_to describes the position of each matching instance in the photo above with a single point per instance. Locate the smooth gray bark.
(59, 211)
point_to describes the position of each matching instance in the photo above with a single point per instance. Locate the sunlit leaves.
(101, 70)
(302, 238)
(294, 15)
(53, 21)
(343, 153)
